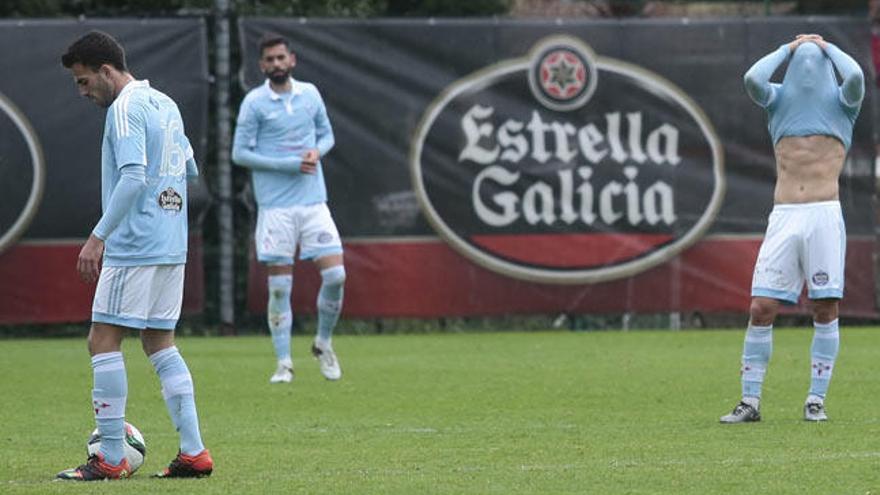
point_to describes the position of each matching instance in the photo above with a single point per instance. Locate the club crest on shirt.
(170, 200)
(820, 278)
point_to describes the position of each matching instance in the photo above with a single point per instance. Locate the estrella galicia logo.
(170, 200)
(567, 167)
(820, 278)
(22, 173)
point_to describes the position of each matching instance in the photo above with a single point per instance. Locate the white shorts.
(281, 230)
(804, 242)
(139, 296)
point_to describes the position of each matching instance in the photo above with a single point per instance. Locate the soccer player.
(281, 135)
(137, 253)
(811, 118)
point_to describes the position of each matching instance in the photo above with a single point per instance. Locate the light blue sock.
(108, 397)
(177, 389)
(330, 300)
(757, 349)
(279, 314)
(826, 342)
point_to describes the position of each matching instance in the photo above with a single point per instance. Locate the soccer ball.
(134, 445)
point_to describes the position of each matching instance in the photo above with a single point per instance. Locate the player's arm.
(192, 170)
(123, 199)
(757, 78)
(244, 142)
(324, 139)
(852, 90)
(129, 142)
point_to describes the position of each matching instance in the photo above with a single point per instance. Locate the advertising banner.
(502, 166)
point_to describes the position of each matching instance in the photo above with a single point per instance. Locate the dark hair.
(272, 39)
(93, 50)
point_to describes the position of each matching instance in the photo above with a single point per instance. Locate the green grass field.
(485, 413)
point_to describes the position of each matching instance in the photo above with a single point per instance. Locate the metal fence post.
(226, 227)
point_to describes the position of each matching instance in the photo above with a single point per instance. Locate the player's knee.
(762, 311)
(280, 287)
(153, 341)
(279, 294)
(825, 310)
(333, 276)
(104, 339)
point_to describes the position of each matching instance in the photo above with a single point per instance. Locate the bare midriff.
(808, 169)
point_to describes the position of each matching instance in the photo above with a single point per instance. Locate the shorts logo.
(170, 200)
(820, 278)
(325, 238)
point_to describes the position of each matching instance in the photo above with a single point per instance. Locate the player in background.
(136, 253)
(811, 118)
(281, 135)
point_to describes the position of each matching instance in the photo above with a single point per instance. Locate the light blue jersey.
(144, 128)
(809, 101)
(272, 133)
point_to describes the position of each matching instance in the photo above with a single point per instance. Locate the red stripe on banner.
(429, 279)
(570, 250)
(39, 283)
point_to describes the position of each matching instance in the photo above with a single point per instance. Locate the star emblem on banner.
(563, 75)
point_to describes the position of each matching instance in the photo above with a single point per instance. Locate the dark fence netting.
(490, 167)
(50, 145)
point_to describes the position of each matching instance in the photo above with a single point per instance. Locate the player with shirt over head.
(281, 135)
(137, 253)
(811, 118)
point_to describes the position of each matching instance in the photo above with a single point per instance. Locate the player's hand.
(815, 38)
(310, 162)
(89, 262)
(797, 42)
(804, 38)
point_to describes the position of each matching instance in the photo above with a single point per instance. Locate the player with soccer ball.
(137, 254)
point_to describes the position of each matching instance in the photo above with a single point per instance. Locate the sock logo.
(99, 406)
(820, 367)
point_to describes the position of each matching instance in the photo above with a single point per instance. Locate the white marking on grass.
(624, 464)
(417, 430)
(547, 467)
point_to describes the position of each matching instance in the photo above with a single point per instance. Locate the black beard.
(278, 77)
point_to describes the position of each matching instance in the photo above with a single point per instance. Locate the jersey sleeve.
(123, 199)
(757, 78)
(246, 126)
(245, 140)
(324, 139)
(129, 136)
(852, 89)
